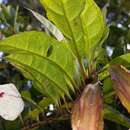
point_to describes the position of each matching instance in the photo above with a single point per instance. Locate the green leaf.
(107, 86)
(108, 91)
(8, 15)
(34, 114)
(47, 24)
(43, 104)
(81, 21)
(48, 63)
(27, 96)
(123, 60)
(11, 125)
(115, 116)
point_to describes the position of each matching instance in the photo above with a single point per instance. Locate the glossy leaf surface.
(81, 21)
(48, 63)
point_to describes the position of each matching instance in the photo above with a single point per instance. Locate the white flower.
(11, 103)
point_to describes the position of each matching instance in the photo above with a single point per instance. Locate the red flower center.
(1, 94)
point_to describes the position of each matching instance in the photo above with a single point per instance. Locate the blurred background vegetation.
(15, 18)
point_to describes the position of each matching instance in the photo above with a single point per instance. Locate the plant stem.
(21, 119)
(46, 121)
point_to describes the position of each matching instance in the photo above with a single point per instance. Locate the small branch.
(21, 119)
(48, 120)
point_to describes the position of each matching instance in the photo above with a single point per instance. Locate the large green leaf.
(48, 63)
(81, 21)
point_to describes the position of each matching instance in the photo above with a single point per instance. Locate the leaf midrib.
(74, 42)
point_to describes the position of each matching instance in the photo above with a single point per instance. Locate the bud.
(121, 83)
(87, 112)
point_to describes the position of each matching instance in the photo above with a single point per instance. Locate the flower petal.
(11, 103)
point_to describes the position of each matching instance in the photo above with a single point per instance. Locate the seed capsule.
(87, 112)
(121, 82)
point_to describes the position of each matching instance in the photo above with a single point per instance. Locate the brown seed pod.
(87, 112)
(121, 82)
